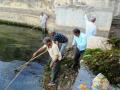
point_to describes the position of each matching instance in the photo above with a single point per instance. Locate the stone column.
(117, 8)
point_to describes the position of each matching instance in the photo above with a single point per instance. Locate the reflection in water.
(29, 79)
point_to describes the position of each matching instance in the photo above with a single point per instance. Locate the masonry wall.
(74, 17)
(49, 4)
(114, 4)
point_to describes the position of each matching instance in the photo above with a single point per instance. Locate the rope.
(23, 67)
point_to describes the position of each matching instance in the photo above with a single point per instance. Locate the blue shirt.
(60, 38)
(80, 42)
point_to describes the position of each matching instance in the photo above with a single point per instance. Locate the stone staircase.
(115, 28)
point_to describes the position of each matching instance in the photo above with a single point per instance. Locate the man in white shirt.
(43, 22)
(90, 26)
(79, 43)
(56, 56)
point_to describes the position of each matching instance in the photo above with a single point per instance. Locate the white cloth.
(43, 20)
(54, 52)
(90, 27)
(100, 82)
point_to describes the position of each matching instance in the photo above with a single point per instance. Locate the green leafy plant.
(106, 62)
(115, 41)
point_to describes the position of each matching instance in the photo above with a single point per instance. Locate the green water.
(18, 43)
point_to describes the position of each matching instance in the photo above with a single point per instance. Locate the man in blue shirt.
(61, 40)
(79, 43)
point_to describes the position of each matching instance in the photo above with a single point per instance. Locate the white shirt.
(90, 27)
(43, 19)
(54, 52)
(80, 42)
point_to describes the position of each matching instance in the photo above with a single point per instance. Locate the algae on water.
(18, 42)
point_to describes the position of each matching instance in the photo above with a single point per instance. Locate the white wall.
(20, 18)
(74, 17)
(49, 4)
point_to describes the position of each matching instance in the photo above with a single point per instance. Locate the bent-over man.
(55, 54)
(61, 40)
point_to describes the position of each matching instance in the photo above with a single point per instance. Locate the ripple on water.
(29, 79)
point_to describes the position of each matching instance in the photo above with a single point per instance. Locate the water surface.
(29, 79)
(16, 47)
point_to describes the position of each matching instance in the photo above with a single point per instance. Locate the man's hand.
(40, 50)
(34, 54)
(70, 48)
(51, 64)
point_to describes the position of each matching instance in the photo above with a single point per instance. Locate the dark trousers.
(77, 56)
(55, 71)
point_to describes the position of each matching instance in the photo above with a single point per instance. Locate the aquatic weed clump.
(105, 62)
(115, 42)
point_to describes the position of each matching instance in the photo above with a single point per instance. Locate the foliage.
(105, 62)
(115, 41)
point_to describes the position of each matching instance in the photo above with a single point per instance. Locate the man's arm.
(73, 43)
(83, 41)
(40, 18)
(56, 52)
(56, 42)
(94, 32)
(40, 50)
(86, 18)
(53, 62)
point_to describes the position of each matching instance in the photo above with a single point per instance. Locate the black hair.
(76, 31)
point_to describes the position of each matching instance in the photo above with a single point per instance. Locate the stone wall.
(43, 5)
(49, 4)
(21, 3)
(113, 4)
(20, 18)
(74, 17)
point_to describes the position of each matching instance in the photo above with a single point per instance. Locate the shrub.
(105, 62)
(115, 41)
